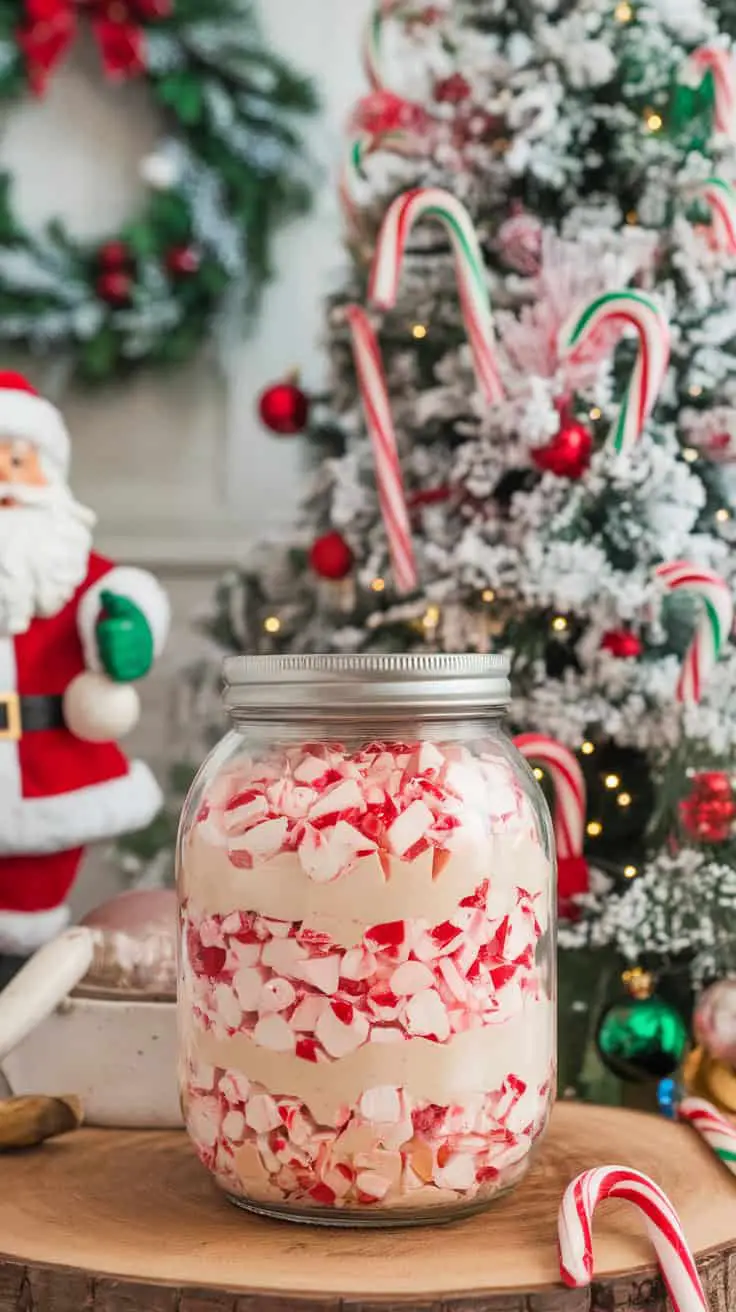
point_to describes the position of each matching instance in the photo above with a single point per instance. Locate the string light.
(632, 217)
(612, 781)
(722, 515)
(419, 331)
(594, 829)
(431, 617)
(587, 748)
(595, 413)
(624, 799)
(538, 774)
(272, 624)
(653, 120)
(690, 454)
(630, 872)
(559, 624)
(695, 390)
(488, 594)
(378, 585)
(623, 13)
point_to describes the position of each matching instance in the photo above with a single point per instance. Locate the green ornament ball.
(641, 1039)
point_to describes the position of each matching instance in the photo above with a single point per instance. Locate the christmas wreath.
(228, 170)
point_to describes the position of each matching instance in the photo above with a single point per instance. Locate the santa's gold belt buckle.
(12, 729)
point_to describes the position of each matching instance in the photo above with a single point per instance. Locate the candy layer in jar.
(365, 1003)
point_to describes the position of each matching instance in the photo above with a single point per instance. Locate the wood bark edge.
(26, 1287)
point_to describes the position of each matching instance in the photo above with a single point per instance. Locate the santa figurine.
(75, 632)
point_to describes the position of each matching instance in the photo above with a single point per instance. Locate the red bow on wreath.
(51, 25)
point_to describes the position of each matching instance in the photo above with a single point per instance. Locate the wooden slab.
(112, 1221)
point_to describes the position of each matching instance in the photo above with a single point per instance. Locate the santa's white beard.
(45, 541)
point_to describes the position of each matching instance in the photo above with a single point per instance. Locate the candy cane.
(721, 197)
(712, 59)
(575, 1232)
(640, 311)
(718, 1132)
(713, 627)
(372, 38)
(569, 788)
(380, 424)
(433, 202)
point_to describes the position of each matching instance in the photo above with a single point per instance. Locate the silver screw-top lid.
(328, 687)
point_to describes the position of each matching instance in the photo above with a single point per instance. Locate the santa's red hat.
(29, 417)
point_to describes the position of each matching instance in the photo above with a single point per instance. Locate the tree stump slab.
(121, 1221)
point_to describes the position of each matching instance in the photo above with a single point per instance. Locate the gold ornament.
(706, 1077)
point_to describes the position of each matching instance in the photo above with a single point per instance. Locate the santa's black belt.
(20, 715)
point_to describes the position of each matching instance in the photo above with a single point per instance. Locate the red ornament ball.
(115, 286)
(183, 261)
(568, 454)
(331, 557)
(114, 255)
(709, 812)
(284, 409)
(622, 643)
(714, 1020)
(452, 90)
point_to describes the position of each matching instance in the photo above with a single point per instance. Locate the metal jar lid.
(328, 687)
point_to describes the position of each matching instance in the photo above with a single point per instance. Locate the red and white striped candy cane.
(627, 308)
(372, 40)
(721, 197)
(435, 203)
(719, 62)
(713, 627)
(719, 1133)
(380, 424)
(569, 789)
(575, 1232)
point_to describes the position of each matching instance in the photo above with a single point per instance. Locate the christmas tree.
(561, 488)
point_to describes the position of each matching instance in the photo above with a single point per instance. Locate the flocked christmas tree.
(562, 483)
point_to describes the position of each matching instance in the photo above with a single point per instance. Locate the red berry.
(115, 287)
(183, 261)
(622, 643)
(114, 255)
(568, 454)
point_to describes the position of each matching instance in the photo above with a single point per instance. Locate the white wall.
(179, 469)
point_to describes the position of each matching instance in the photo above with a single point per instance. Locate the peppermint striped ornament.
(575, 1232)
(569, 789)
(627, 309)
(713, 627)
(382, 433)
(435, 203)
(720, 63)
(717, 1131)
(721, 197)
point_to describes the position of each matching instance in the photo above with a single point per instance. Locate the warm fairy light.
(272, 624)
(695, 390)
(595, 413)
(653, 120)
(632, 217)
(488, 594)
(624, 799)
(612, 781)
(594, 829)
(431, 617)
(623, 13)
(630, 872)
(559, 623)
(378, 585)
(690, 454)
(722, 515)
(419, 331)
(587, 748)
(538, 774)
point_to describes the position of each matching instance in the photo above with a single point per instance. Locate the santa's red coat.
(56, 791)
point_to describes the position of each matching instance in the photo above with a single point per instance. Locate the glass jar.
(367, 949)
